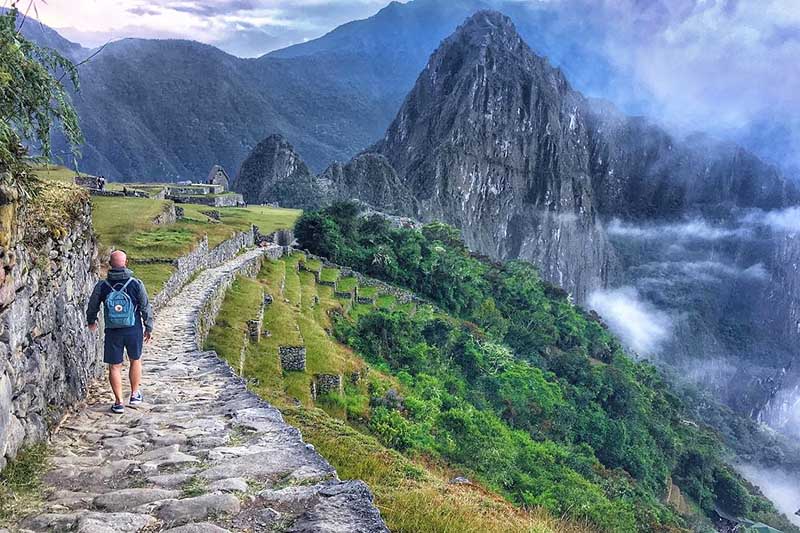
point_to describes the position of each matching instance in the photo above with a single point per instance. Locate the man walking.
(128, 324)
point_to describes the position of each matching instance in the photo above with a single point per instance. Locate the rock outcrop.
(48, 358)
(274, 173)
(375, 180)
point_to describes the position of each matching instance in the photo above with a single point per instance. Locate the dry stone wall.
(293, 358)
(48, 357)
(200, 258)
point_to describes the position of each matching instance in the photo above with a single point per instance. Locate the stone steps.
(202, 454)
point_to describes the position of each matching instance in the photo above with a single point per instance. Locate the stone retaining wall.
(48, 357)
(198, 259)
(293, 358)
(326, 384)
(211, 307)
(222, 200)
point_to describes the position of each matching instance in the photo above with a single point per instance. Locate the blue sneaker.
(117, 409)
(136, 399)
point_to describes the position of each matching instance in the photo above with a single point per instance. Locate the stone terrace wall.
(402, 295)
(210, 309)
(200, 258)
(47, 355)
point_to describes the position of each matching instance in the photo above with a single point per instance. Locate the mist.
(780, 487)
(642, 328)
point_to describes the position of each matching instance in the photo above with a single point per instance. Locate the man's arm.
(93, 308)
(145, 309)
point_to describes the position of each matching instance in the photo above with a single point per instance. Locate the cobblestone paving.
(202, 455)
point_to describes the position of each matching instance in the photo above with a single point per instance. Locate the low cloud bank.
(694, 229)
(780, 487)
(642, 327)
(783, 220)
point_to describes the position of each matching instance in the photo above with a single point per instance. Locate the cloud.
(642, 327)
(695, 229)
(246, 28)
(779, 486)
(782, 220)
(707, 271)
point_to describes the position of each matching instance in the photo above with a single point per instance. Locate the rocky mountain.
(274, 173)
(671, 237)
(331, 97)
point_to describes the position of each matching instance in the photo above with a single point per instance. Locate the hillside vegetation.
(528, 390)
(412, 491)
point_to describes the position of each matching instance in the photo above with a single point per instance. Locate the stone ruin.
(254, 329)
(293, 358)
(326, 384)
(212, 214)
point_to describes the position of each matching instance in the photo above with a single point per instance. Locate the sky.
(246, 28)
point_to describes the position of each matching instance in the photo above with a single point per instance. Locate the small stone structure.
(326, 384)
(357, 375)
(212, 213)
(343, 294)
(254, 329)
(293, 358)
(222, 200)
(218, 176)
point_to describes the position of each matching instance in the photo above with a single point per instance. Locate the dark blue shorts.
(117, 342)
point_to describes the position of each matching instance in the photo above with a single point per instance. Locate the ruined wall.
(213, 303)
(47, 355)
(200, 258)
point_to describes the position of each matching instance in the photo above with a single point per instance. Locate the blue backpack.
(120, 309)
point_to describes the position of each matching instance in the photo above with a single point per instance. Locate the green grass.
(21, 484)
(346, 285)
(415, 497)
(243, 296)
(127, 224)
(360, 310)
(385, 301)
(329, 274)
(314, 265)
(368, 292)
(154, 275)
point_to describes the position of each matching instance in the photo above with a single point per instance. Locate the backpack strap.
(110, 286)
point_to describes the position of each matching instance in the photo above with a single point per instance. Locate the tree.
(32, 100)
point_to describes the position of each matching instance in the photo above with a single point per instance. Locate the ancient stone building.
(218, 176)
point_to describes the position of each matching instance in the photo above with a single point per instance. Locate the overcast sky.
(242, 27)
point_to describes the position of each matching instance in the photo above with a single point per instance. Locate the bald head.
(118, 259)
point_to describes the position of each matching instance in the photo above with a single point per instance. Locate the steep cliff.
(273, 172)
(493, 140)
(48, 258)
(375, 180)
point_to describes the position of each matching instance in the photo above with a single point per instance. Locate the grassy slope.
(413, 495)
(127, 224)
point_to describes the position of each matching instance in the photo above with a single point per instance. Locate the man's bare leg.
(115, 378)
(135, 375)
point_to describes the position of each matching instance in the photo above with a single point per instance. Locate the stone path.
(202, 455)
